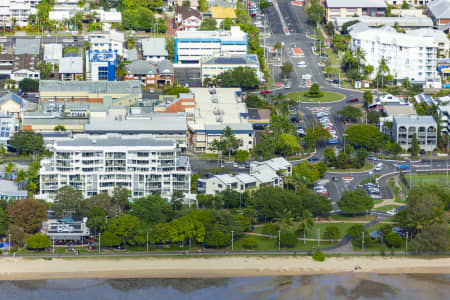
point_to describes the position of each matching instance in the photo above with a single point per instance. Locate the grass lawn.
(332, 57)
(268, 244)
(70, 50)
(327, 97)
(207, 156)
(367, 166)
(388, 207)
(434, 178)
(350, 218)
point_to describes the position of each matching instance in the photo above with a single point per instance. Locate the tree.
(288, 145)
(242, 77)
(270, 229)
(278, 47)
(226, 24)
(29, 85)
(330, 156)
(405, 5)
(382, 70)
(253, 101)
(373, 117)
(286, 69)
(120, 198)
(59, 128)
(186, 3)
(45, 69)
(264, 4)
(434, 238)
(350, 113)
(345, 26)
(96, 219)
(3, 222)
(227, 143)
(367, 136)
(287, 239)
(284, 218)
(9, 168)
(218, 239)
(356, 232)
(109, 239)
(332, 232)
(393, 240)
(241, 155)
(170, 44)
(306, 223)
(356, 201)
(330, 28)
(17, 235)
(208, 24)
(68, 202)
(125, 227)
(27, 142)
(203, 5)
(38, 241)
(315, 12)
(314, 91)
(151, 209)
(102, 200)
(415, 148)
(27, 213)
(318, 256)
(249, 242)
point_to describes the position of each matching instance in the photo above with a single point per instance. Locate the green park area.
(367, 166)
(326, 97)
(428, 178)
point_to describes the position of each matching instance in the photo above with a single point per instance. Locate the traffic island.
(301, 96)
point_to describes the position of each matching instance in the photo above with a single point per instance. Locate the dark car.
(312, 159)
(335, 179)
(336, 81)
(354, 100)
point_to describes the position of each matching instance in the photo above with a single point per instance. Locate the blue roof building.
(102, 65)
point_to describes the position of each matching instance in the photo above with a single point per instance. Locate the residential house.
(10, 192)
(439, 10)
(187, 18)
(12, 104)
(155, 75)
(53, 53)
(25, 66)
(6, 64)
(350, 8)
(71, 68)
(220, 13)
(154, 49)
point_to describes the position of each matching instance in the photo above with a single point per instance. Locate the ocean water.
(331, 286)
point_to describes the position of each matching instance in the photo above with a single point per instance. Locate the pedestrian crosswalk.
(316, 109)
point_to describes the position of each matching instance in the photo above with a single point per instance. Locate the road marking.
(297, 3)
(297, 52)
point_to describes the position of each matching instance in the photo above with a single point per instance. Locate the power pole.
(279, 240)
(318, 237)
(99, 242)
(363, 240)
(147, 241)
(232, 240)
(406, 242)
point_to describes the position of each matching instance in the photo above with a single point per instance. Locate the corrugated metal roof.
(28, 46)
(355, 3)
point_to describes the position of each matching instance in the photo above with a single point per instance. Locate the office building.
(192, 46)
(101, 65)
(424, 127)
(97, 165)
(350, 8)
(407, 57)
(216, 109)
(214, 66)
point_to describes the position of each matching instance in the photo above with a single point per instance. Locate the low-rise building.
(349, 8)
(10, 192)
(259, 117)
(25, 66)
(101, 65)
(220, 13)
(408, 22)
(155, 75)
(14, 105)
(109, 41)
(187, 18)
(6, 64)
(154, 49)
(439, 10)
(215, 110)
(71, 68)
(214, 66)
(28, 46)
(192, 46)
(266, 173)
(97, 165)
(66, 229)
(8, 126)
(53, 53)
(424, 127)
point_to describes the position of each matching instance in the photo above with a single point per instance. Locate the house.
(216, 65)
(154, 49)
(439, 10)
(423, 127)
(410, 2)
(53, 53)
(101, 65)
(189, 19)
(6, 64)
(25, 66)
(194, 3)
(278, 164)
(192, 46)
(10, 192)
(424, 98)
(28, 46)
(108, 41)
(220, 13)
(155, 75)
(12, 104)
(71, 68)
(350, 8)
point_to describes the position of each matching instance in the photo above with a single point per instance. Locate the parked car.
(312, 159)
(379, 167)
(266, 92)
(354, 100)
(335, 179)
(372, 157)
(301, 64)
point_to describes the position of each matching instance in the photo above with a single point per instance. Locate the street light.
(344, 135)
(232, 240)
(99, 242)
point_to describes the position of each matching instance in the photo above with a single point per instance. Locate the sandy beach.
(26, 269)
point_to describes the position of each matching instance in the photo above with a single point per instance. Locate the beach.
(19, 268)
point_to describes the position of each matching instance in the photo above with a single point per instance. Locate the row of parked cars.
(372, 189)
(323, 118)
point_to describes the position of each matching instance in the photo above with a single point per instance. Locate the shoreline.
(61, 268)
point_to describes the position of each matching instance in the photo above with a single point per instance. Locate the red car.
(266, 92)
(353, 100)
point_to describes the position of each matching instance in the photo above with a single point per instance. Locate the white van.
(379, 167)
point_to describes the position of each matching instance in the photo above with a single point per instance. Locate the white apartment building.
(192, 46)
(16, 11)
(410, 2)
(110, 41)
(98, 165)
(407, 56)
(440, 39)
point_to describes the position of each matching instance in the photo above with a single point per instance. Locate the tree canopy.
(356, 201)
(27, 142)
(366, 136)
(244, 78)
(27, 214)
(68, 202)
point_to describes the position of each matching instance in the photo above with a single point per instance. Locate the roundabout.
(327, 96)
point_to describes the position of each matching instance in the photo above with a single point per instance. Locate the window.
(102, 73)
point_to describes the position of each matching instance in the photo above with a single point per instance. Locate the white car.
(332, 132)
(322, 114)
(301, 64)
(307, 77)
(392, 212)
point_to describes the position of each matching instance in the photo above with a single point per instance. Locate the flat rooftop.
(104, 87)
(217, 108)
(112, 140)
(397, 110)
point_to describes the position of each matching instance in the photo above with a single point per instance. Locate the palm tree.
(383, 69)
(3, 152)
(20, 176)
(360, 56)
(9, 168)
(285, 219)
(306, 223)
